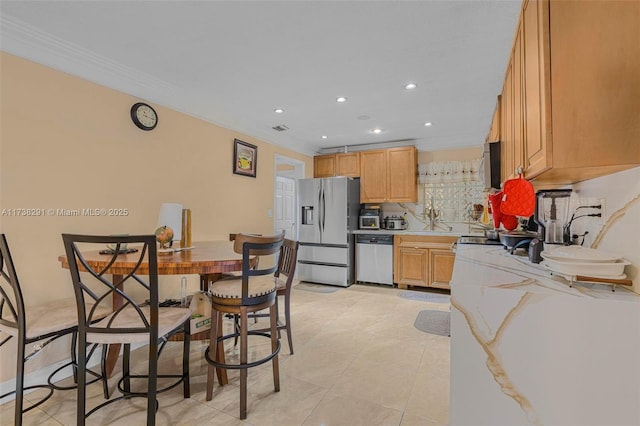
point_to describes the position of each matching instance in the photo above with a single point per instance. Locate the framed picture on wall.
(245, 158)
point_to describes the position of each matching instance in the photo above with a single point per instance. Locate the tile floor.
(358, 361)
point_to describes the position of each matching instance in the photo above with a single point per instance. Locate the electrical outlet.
(601, 202)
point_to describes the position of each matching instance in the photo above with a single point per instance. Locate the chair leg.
(213, 350)
(103, 367)
(274, 346)
(82, 381)
(243, 361)
(74, 358)
(287, 318)
(19, 401)
(221, 372)
(186, 349)
(126, 370)
(153, 383)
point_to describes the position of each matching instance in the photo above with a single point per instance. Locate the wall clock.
(144, 116)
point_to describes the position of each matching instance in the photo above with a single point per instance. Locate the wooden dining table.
(208, 259)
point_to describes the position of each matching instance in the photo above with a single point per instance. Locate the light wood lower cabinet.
(423, 261)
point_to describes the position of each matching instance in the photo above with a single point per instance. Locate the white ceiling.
(233, 62)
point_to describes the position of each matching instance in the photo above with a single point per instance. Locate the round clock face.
(144, 116)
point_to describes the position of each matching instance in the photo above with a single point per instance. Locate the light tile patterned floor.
(358, 361)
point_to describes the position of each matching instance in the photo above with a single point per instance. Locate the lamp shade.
(171, 216)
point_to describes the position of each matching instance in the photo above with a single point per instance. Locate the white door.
(285, 206)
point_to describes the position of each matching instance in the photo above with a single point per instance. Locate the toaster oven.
(370, 219)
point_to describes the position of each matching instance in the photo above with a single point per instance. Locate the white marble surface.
(528, 349)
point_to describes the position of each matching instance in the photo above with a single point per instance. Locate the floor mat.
(425, 296)
(434, 322)
(316, 288)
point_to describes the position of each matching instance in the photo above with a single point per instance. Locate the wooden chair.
(135, 318)
(251, 292)
(42, 323)
(286, 267)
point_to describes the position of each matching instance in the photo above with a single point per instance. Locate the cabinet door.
(373, 176)
(518, 104)
(324, 166)
(506, 147)
(402, 175)
(412, 266)
(537, 137)
(440, 267)
(348, 164)
(595, 78)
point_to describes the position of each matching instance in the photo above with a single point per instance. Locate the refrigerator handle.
(320, 208)
(323, 209)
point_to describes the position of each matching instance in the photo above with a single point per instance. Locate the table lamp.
(171, 216)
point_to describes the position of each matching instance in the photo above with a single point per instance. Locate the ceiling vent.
(280, 128)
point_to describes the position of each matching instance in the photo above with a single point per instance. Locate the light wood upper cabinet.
(324, 166)
(373, 176)
(506, 132)
(512, 148)
(579, 89)
(494, 130)
(348, 164)
(343, 164)
(389, 175)
(402, 177)
(537, 134)
(423, 261)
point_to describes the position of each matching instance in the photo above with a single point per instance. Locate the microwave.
(490, 165)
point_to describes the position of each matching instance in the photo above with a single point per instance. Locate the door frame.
(295, 172)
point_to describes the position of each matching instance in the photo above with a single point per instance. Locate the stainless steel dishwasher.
(374, 258)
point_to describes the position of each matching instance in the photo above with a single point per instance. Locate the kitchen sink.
(477, 239)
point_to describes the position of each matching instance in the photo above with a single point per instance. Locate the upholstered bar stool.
(254, 291)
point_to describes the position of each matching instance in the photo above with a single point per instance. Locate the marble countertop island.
(526, 348)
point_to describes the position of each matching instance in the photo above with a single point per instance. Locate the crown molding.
(34, 44)
(31, 43)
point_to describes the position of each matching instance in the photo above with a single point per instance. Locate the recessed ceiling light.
(427, 124)
(377, 131)
(341, 99)
(410, 86)
(278, 110)
(324, 137)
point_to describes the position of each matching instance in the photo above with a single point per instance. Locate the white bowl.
(591, 269)
(580, 254)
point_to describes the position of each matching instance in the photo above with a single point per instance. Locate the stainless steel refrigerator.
(327, 214)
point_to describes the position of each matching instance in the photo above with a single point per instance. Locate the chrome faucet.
(432, 214)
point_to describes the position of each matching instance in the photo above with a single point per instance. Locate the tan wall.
(67, 143)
